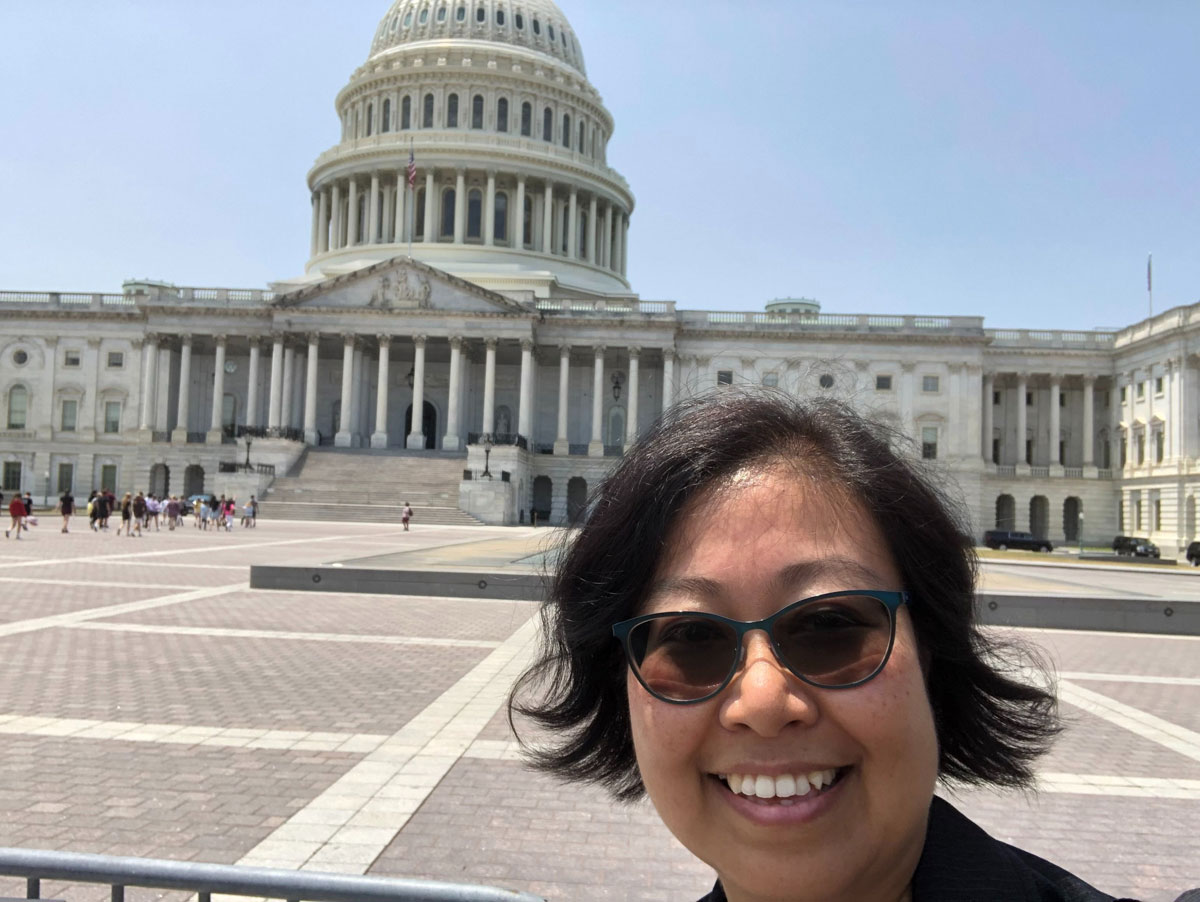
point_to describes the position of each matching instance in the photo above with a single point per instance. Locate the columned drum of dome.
(509, 185)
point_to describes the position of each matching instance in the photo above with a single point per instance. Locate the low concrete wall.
(449, 584)
(1122, 615)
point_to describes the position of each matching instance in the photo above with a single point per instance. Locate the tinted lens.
(683, 658)
(835, 641)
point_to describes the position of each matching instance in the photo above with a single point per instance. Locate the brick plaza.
(152, 704)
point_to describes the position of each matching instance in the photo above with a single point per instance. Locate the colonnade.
(380, 208)
(1020, 383)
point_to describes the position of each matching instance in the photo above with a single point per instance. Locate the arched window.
(460, 14)
(580, 251)
(566, 133)
(406, 113)
(18, 407)
(387, 116)
(448, 213)
(526, 120)
(475, 213)
(502, 115)
(500, 220)
(427, 112)
(480, 15)
(547, 125)
(582, 143)
(550, 30)
(477, 111)
(500, 17)
(370, 118)
(452, 111)
(566, 224)
(419, 216)
(424, 17)
(537, 27)
(441, 16)
(527, 230)
(408, 19)
(520, 20)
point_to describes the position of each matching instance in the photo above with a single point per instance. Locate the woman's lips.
(774, 805)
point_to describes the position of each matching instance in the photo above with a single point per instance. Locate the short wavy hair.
(991, 722)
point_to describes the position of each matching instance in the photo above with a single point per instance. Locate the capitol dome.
(510, 185)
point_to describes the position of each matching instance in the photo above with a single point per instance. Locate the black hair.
(991, 723)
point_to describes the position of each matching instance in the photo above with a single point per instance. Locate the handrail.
(235, 880)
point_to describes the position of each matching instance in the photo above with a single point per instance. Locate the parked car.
(1193, 554)
(1132, 546)
(1003, 539)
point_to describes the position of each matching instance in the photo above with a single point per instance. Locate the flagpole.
(1150, 281)
(412, 200)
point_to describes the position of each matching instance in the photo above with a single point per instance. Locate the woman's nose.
(764, 696)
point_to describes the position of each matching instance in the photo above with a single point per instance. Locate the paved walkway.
(152, 704)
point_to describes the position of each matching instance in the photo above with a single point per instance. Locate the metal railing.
(290, 433)
(498, 438)
(227, 466)
(234, 880)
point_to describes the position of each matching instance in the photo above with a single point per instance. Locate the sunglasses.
(832, 641)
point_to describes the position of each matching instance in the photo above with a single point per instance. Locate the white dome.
(536, 25)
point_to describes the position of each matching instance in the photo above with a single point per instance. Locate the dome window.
(500, 219)
(395, 22)
(527, 120)
(826, 381)
(550, 30)
(566, 132)
(480, 15)
(427, 112)
(386, 126)
(475, 214)
(452, 111)
(441, 16)
(582, 136)
(537, 27)
(477, 111)
(460, 14)
(500, 17)
(448, 205)
(408, 19)
(370, 119)
(547, 124)
(520, 20)
(424, 17)
(406, 113)
(502, 115)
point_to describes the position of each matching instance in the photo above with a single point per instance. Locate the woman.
(66, 506)
(126, 515)
(766, 624)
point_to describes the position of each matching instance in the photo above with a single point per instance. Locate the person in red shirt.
(16, 509)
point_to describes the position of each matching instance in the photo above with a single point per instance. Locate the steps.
(370, 486)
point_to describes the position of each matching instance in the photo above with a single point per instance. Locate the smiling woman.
(766, 624)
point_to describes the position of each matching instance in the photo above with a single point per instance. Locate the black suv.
(1193, 554)
(1134, 547)
(1004, 539)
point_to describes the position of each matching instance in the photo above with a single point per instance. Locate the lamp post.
(487, 455)
(1081, 533)
(248, 442)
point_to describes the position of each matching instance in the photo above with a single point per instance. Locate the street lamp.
(1081, 533)
(487, 454)
(248, 452)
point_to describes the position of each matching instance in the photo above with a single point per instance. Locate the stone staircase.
(370, 486)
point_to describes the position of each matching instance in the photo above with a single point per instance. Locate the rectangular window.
(1137, 515)
(1124, 396)
(771, 380)
(929, 383)
(1159, 446)
(929, 442)
(1062, 399)
(116, 360)
(1141, 448)
(1028, 399)
(70, 414)
(995, 399)
(18, 407)
(1141, 390)
(108, 477)
(112, 416)
(995, 450)
(66, 478)
(12, 476)
(724, 377)
(1157, 514)
(1029, 451)
(71, 359)
(1158, 385)
(883, 383)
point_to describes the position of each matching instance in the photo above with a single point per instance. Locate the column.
(252, 387)
(631, 422)
(451, 441)
(606, 244)
(342, 438)
(416, 435)
(149, 382)
(1114, 425)
(518, 240)
(525, 413)
(989, 416)
(596, 446)
(379, 438)
(1022, 419)
(275, 405)
(352, 235)
(218, 398)
(295, 414)
(460, 206)
(323, 217)
(592, 239)
(624, 244)
(1089, 422)
(561, 445)
(182, 409)
(1055, 420)
(489, 210)
(316, 220)
(285, 400)
(430, 201)
(548, 220)
(335, 218)
(400, 208)
(373, 212)
(573, 225)
(389, 200)
(1172, 422)
(489, 388)
(668, 388)
(357, 419)
(310, 391)
(906, 398)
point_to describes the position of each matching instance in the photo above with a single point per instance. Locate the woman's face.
(760, 542)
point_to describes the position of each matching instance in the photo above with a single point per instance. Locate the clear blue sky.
(1016, 160)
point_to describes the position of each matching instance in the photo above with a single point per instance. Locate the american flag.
(412, 169)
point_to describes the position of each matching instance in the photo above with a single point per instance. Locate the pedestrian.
(139, 512)
(30, 519)
(247, 508)
(406, 515)
(16, 509)
(197, 510)
(153, 507)
(230, 508)
(126, 515)
(110, 505)
(172, 513)
(253, 511)
(66, 507)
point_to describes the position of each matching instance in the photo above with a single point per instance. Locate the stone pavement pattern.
(152, 704)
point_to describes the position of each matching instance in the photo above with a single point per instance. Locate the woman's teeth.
(785, 786)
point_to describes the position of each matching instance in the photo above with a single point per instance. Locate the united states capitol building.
(476, 309)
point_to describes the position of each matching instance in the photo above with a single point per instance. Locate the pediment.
(398, 285)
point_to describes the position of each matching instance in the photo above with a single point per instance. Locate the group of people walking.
(21, 511)
(137, 512)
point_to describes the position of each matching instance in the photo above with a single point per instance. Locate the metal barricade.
(234, 880)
